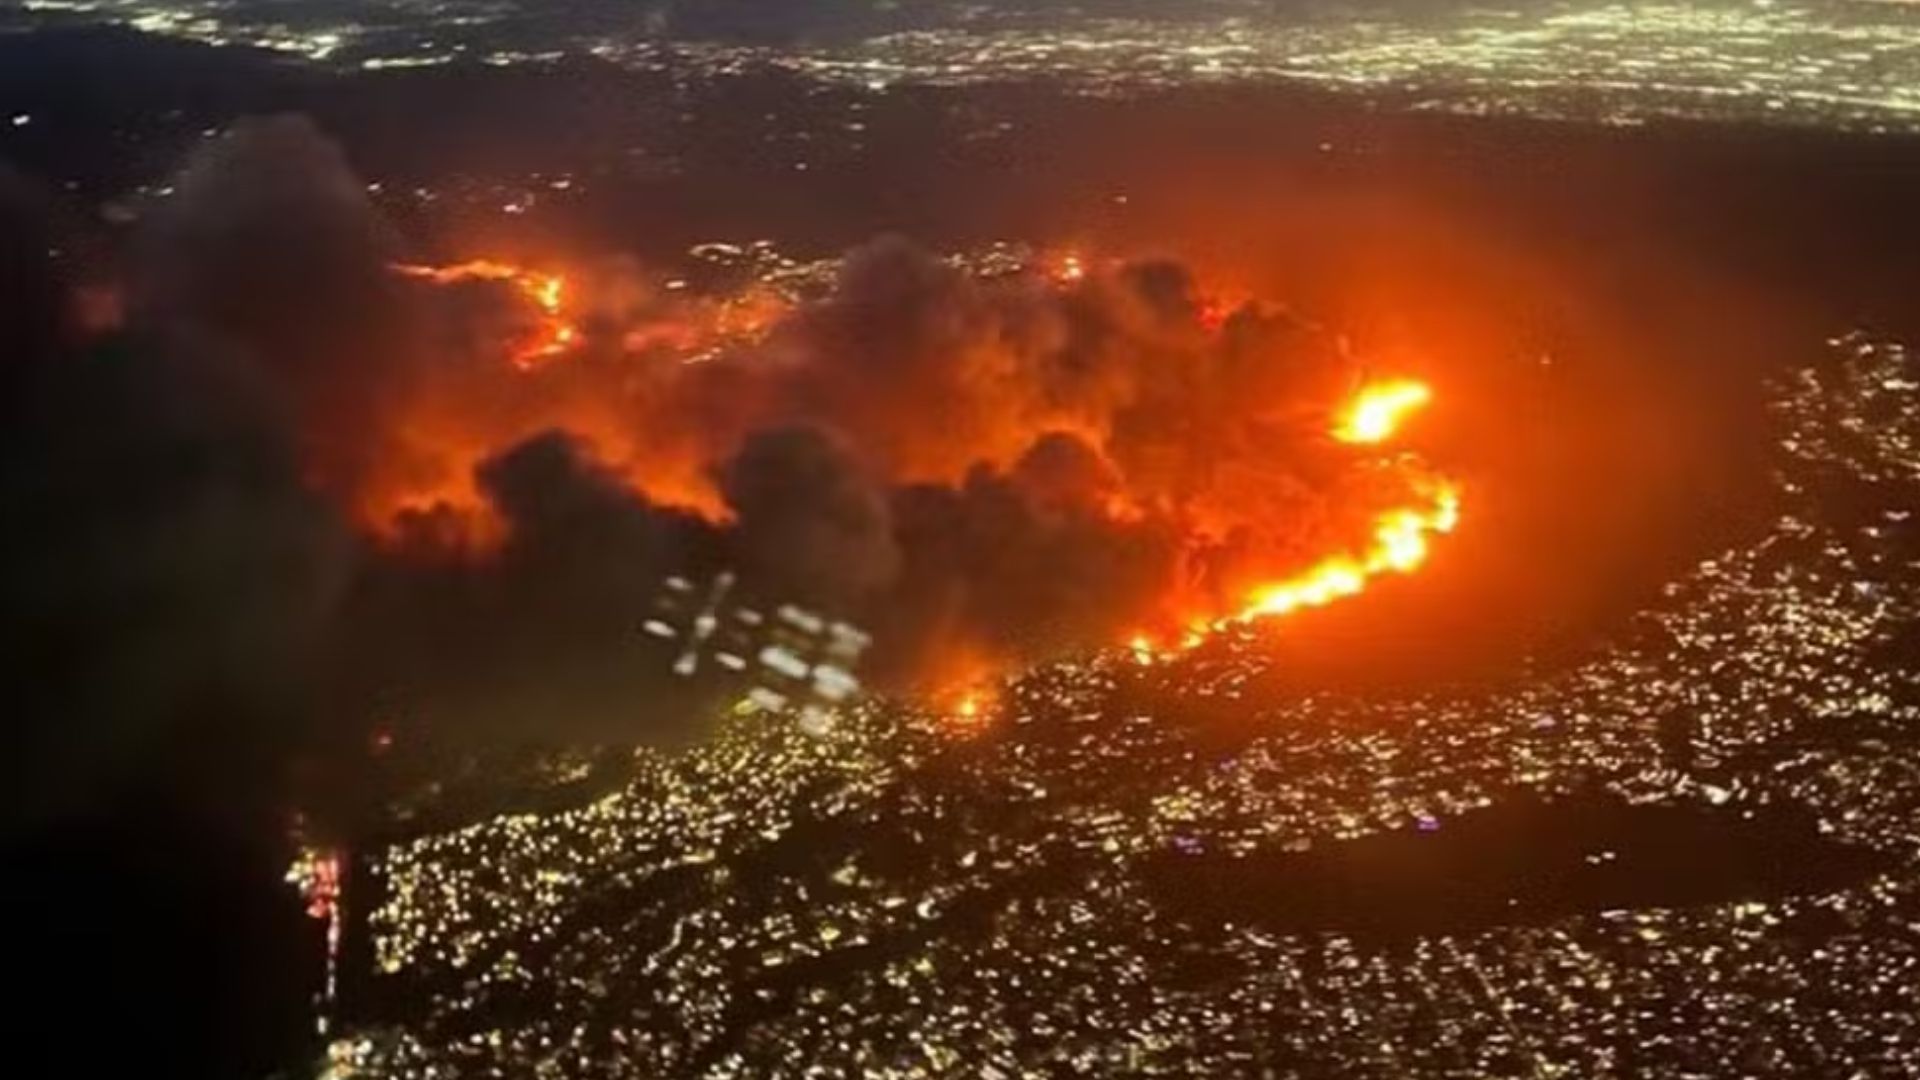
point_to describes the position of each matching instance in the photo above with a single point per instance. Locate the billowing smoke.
(1020, 563)
(979, 470)
(535, 639)
(808, 524)
(166, 574)
(270, 248)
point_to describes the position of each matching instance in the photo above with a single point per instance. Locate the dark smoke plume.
(167, 583)
(807, 522)
(169, 575)
(269, 246)
(994, 469)
(536, 639)
(296, 494)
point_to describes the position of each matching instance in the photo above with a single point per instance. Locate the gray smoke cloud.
(808, 523)
(1003, 468)
(270, 247)
(168, 576)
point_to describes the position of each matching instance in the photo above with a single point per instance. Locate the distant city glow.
(1849, 65)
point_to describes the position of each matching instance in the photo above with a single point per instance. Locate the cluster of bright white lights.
(1853, 65)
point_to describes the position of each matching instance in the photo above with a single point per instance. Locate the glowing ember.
(545, 292)
(316, 874)
(1142, 648)
(968, 714)
(1375, 414)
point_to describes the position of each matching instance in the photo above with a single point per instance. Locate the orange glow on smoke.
(669, 383)
(1374, 415)
(547, 293)
(442, 429)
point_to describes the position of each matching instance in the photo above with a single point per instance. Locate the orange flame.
(969, 713)
(1401, 538)
(1142, 648)
(1400, 545)
(1397, 539)
(1375, 413)
(545, 292)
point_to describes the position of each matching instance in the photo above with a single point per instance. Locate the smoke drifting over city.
(980, 470)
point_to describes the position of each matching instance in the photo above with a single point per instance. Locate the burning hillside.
(1227, 463)
(981, 461)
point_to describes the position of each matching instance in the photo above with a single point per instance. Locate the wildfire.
(547, 294)
(637, 430)
(1375, 413)
(1400, 545)
(1141, 646)
(1401, 538)
(968, 713)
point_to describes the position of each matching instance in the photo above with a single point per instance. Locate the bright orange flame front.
(545, 292)
(1402, 536)
(1375, 413)
(1401, 539)
(968, 715)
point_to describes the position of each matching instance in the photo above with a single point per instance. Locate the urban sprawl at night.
(1103, 869)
